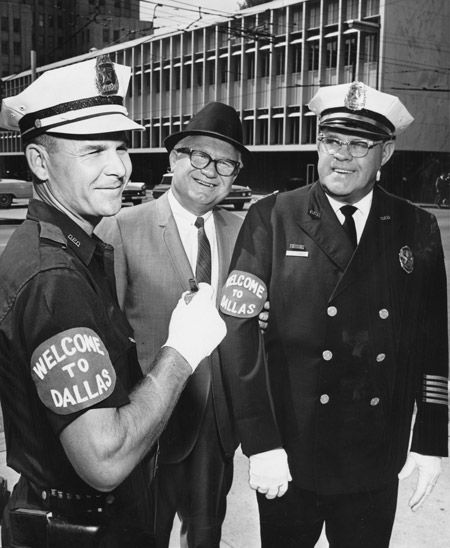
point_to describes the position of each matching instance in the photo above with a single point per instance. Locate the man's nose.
(117, 164)
(210, 170)
(343, 152)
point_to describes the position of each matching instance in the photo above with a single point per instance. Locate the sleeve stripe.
(431, 400)
(435, 383)
(435, 378)
(436, 390)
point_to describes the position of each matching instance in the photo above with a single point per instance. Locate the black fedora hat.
(215, 120)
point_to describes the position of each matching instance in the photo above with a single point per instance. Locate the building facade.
(60, 29)
(267, 62)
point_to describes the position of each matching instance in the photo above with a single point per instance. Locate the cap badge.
(406, 259)
(356, 96)
(106, 78)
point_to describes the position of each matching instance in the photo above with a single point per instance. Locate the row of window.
(259, 131)
(232, 69)
(16, 48)
(4, 24)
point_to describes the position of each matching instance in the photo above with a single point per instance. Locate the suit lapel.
(320, 222)
(172, 241)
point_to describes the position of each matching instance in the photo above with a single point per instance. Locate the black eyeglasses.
(200, 160)
(357, 148)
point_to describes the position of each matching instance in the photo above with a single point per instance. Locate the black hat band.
(31, 121)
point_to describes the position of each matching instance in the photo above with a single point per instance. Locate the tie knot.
(199, 222)
(348, 210)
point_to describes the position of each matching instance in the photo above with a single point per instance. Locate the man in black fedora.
(159, 247)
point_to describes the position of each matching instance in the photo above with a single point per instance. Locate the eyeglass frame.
(189, 151)
(369, 142)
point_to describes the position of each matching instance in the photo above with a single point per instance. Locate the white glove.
(195, 327)
(429, 468)
(269, 473)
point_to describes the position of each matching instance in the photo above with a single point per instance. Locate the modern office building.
(59, 29)
(268, 61)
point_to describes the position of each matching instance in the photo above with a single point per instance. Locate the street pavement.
(429, 527)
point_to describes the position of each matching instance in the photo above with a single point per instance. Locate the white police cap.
(80, 99)
(360, 109)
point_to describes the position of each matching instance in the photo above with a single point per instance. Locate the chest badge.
(406, 258)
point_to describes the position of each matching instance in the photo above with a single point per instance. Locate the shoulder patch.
(243, 295)
(72, 371)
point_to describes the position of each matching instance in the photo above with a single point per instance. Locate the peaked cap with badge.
(214, 120)
(360, 109)
(81, 99)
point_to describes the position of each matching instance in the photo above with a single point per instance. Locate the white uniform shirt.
(360, 215)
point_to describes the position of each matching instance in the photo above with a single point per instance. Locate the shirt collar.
(181, 212)
(362, 205)
(74, 236)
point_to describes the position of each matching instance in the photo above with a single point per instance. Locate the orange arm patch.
(243, 295)
(72, 371)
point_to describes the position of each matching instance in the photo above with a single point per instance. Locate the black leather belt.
(97, 506)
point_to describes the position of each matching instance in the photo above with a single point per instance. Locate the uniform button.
(327, 355)
(331, 311)
(324, 398)
(374, 401)
(383, 313)
(380, 357)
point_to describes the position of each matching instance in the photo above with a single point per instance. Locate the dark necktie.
(349, 223)
(203, 267)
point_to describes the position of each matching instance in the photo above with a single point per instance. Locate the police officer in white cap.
(357, 338)
(79, 418)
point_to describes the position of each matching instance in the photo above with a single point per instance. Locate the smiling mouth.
(342, 171)
(204, 183)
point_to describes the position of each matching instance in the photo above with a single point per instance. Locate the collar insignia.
(106, 77)
(314, 213)
(356, 96)
(406, 258)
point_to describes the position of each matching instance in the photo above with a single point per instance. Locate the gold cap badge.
(356, 96)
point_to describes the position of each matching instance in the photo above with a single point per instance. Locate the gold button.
(327, 355)
(374, 401)
(383, 313)
(324, 398)
(331, 311)
(381, 357)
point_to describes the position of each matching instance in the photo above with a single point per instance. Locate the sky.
(179, 14)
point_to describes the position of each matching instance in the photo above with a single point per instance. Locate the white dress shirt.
(360, 215)
(188, 232)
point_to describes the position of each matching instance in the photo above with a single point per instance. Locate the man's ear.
(37, 159)
(388, 151)
(173, 159)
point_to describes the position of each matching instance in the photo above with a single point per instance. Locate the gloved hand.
(429, 468)
(195, 327)
(269, 473)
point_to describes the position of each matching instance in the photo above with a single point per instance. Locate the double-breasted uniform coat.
(355, 340)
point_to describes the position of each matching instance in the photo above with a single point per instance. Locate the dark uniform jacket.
(353, 341)
(54, 278)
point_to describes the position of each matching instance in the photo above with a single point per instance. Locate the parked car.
(14, 189)
(134, 192)
(239, 195)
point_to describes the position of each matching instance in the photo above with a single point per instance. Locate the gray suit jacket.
(152, 270)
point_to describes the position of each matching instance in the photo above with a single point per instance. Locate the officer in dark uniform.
(357, 337)
(79, 417)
